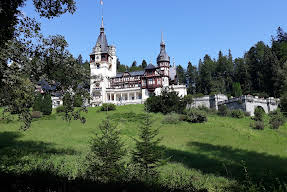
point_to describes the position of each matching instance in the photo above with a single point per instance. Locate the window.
(98, 66)
(159, 81)
(150, 81)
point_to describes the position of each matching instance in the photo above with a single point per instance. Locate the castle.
(108, 86)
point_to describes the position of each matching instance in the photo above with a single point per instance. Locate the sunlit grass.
(210, 152)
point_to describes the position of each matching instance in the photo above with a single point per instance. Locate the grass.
(210, 153)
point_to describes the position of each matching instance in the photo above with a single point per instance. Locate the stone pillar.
(121, 96)
(135, 95)
(115, 97)
(128, 96)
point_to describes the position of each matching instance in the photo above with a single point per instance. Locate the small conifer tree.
(47, 104)
(147, 154)
(105, 159)
(37, 106)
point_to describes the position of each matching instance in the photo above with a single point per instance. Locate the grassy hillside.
(211, 152)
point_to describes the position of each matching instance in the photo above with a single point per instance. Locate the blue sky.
(192, 28)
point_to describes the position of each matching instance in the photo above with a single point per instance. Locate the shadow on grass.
(227, 162)
(14, 152)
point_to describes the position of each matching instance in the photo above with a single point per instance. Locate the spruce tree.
(144, 64)
(47, 104)
(37, 106)
(105, 159)
(147, 154)
(236, 90)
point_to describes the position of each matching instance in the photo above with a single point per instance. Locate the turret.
(163, 60)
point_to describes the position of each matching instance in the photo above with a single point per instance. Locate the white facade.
(108, 86)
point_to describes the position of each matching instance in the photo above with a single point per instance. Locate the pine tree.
(144, 64)
(80, 59)
(105, 159)
(134, 64)
(180, 74)
(236, 90)
(147, 155)
(191, 74)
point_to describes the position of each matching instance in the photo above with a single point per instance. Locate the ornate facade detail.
(108, 86)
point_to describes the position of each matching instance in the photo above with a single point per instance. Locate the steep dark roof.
(46, 87)
(162, 57)
(119, 75)
(150, 66)
(134, 73)
(137, 73)
(102, 39)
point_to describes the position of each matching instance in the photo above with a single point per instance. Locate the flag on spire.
(102, 2)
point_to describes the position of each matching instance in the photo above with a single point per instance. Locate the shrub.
(237, 114)
(195, 115)
(36, 114)
(108, 107)
(207, 110)
(167, 102)
(277, 119)
(60, 109)
(223, 110)
(247, 114)
(153, 104)
(46, 105)
(171, 118)
(259, 114)
(259, 125)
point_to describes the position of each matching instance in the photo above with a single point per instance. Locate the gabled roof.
(150, 66)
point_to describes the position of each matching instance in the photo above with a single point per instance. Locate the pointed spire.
(102, 25)
(162, 42)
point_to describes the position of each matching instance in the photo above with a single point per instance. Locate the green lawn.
(211, 152)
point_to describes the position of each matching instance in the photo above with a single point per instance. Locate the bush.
(60, 109)
(277, 119)
(237, 114)
(223, 110)
(195, 115)
(171, 118)
(36, 114)
(259, 125)
(166, 103)
(108, 107)
(259, 114)
(247, 114)
(207, 110)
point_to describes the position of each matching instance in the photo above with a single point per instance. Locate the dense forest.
(261, 71)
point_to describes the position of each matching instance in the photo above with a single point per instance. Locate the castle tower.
(103, 66)
(163, 62)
